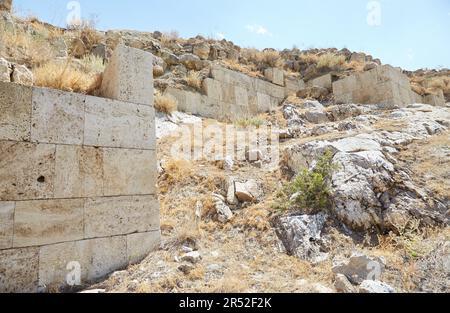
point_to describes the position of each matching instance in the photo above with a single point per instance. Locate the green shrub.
(309, 190)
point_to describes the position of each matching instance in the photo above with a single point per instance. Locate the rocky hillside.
(358, 202)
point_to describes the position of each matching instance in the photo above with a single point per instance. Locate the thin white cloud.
(258, 29)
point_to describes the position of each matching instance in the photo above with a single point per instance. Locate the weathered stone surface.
(26, 170)
(5, 70)
(316, 116)
(202, 50)
(96, 257)
(6, 224)
(41, 222)
(212, 88)
(79, 172)
(19, 270)
(275, 75)
(129, 76)
(343, 285)
(293, 85)
(360, 267)
(324, 81)
(22, 75)
(5, 5)
(119, 124)
(373, 286)
(15, 112)
(129, 172)
(141, 244)
(301, 235)
(57, 117)
(121, 215)
(436, 99)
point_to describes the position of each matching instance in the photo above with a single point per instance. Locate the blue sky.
(407, 33)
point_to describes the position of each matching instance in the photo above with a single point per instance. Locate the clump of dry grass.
(309, 58)
(165, 103)
(87, 33)
(249, 70)
(175, 172)
(158, 71)
(66, 77)
(257, 122)
(263, 59)
(169, 37)
(194, 80)
(330, 60)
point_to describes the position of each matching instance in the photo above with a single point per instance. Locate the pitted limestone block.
(229, 93)
(345, 86)
(264, 103)
(119, 124)
(15, 112)
(26, 171)
(437, 99)
(212, 88)
(416, 97)
(129, 172)
(189, 102)
(57, 117)
(141, 244)
(41, 222)
(227, 76)
(121, 215)
(269, 89)
(96, 257)
(241, 96)
(293, 85)
(178, 94)
(234, 112)
(324, 81)
(78, 172)
(6, 224)
(210, 108)
(19, 270)
(129, 76)
(275, 75)
(387, 72)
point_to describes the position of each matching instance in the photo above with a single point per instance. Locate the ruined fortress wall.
(382, 85)
(230, 95)
(77, 183)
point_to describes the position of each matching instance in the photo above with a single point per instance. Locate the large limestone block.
(129, 172)
(6, 224)
(121, 215)
(293, 85)
(387, 72)
(234, 112)
(15, 112)
(231, 77)
(212, 88)
(210, 108)
(345, 85)
(324, 81)
(96, 258)
(229, 93)
(141, 244)
(119, 124)
(436, 99)
(241, 96)
(19, 270)
(269, 89)
(78, 172)
(57, 117)
(42, 222)
(26, 171)
(263, 103)
(129, 76)
(275, 75)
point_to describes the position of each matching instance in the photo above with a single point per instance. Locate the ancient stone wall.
(77, 180)
(383, 85)
(230, 95)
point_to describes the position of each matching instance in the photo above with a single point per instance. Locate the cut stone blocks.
(19, 270)
(129, 76)
(275, 75)
(293, 85)
(42, 222)
(437, 99)
(78, 178)
(324, 81)
(27, 171)
(119, 124)
(57, 117)
(15, 112)
(121, 215)
(6, 224)
(383, 85)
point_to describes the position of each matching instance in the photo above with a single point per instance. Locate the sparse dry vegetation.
(165, 103)
(330, 60)
(194, 80)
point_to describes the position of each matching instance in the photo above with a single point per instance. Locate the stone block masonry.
(230, 96)
(77, 181)
(383, 85)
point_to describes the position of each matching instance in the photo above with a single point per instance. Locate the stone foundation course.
(77, 184)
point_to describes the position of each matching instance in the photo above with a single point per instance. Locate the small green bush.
(309, 189)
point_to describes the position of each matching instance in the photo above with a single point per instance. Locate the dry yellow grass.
(309, 58)
(330, 60)
(169, 37)
(264, 59)
(165, 103)
(249, 70)
(54, 74)
(193, 80)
